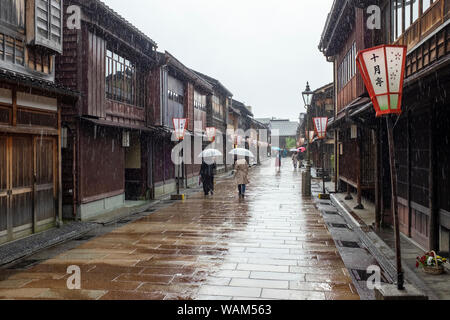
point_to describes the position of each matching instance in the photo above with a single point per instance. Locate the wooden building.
(217, 106)
(422, 134)
(30, 109)
(183, 94)
(322, 105)
(107, 158)
(344, 35)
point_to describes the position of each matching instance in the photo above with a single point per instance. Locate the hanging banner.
(320, 126)
(311, 136)
(383, 71)
(180, 128)
(211, 134)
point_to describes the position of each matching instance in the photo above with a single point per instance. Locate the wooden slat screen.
(3, 184)
(5, 115)
(37, 119)
(22, 181)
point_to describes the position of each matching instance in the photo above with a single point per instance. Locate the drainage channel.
(355, 255)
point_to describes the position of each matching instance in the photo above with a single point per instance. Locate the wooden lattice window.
(48, 24)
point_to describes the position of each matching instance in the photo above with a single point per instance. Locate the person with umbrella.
(207, 172)
(241, 176)
(295, 160)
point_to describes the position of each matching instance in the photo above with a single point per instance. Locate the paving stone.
(272, 245)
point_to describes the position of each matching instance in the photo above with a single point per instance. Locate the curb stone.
(381, 251)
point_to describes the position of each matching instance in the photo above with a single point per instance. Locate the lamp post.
(383, 72)
(307, 99)
(180, 131)
(320, 126)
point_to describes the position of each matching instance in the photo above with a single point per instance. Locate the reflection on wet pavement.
(272, 245)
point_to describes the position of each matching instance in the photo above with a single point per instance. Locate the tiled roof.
(18, 78)
(123, 20)
(214, 82)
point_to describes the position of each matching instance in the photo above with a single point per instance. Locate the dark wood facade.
(422, 135)
(354, 144)
(421, 132)
(30, 184)
(106, 160)
(183, 94)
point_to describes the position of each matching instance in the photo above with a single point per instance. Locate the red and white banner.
(320, 126)
(180, 128)
(383, 72)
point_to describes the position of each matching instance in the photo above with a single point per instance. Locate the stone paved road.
(272, 245)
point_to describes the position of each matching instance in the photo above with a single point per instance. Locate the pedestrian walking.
(241, 176)
(278, 161)
(300, 158)
(207, 172)
(295, 160)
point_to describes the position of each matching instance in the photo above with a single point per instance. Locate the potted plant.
(431, 263)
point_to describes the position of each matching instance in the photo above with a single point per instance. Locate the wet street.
(274, 244)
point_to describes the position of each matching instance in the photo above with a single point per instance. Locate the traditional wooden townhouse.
(183, 94)
(30, 116)
(106, 153)
(344, 35)
(217, 106)
(244, 133)
(233, 124)
(322, 151)
(422, 132)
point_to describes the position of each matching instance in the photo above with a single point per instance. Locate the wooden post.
(323, 166)
(408, 157)
(390, 130)
(382, 168)
(336, 160)
(59, 153)
(359, 183)
(433, 234)
(377, 180)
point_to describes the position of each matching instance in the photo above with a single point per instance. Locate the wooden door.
(21, 183)
(44, 171)
(27, 185)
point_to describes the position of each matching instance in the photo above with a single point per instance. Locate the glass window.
(407, 14)
(122, 82)
(415, 10)
(399, 12)
(426, 4)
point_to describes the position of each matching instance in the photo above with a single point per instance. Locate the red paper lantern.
(180, 128)
(383, 72)
(320, 127)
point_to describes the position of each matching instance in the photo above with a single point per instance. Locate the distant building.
(284, 129)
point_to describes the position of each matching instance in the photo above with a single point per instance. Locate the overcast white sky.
(263, 51)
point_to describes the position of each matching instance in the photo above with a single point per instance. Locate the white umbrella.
(242, 152)
(210, 153)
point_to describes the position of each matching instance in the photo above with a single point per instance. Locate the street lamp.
(383, 71)
(320, 126)
(307, 99)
